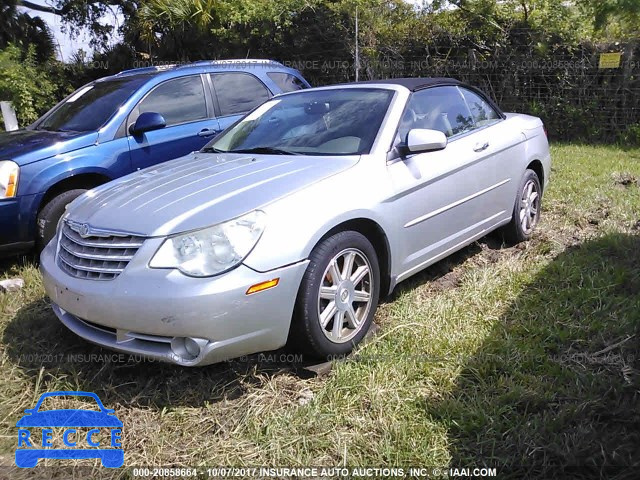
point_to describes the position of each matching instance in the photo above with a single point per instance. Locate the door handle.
(481, 146)
(207, 132)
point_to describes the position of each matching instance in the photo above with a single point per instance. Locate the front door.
(441, 197)
(182, 103)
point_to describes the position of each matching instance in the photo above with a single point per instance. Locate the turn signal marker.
(11, 186)
(259, 287)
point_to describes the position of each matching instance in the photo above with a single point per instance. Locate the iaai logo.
(82, 433)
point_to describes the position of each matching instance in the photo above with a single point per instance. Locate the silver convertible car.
(290, 225)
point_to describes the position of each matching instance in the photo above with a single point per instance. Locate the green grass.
(496, 356)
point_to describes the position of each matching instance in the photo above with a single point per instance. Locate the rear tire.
(332, 315)
(48, 218)
(526, 210)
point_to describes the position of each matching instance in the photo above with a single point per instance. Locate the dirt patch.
(625, 179)
(446, 282)
(493, 248)
(596, 215)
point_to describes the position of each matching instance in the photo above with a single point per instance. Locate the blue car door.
(189, 116)
(235, 94)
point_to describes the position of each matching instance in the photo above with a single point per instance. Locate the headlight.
(8, 178)
(212, 250)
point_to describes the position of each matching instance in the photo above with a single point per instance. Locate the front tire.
(526, 210)
(338, 296)
(48, 217)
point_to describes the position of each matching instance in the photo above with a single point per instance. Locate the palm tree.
(23, 30)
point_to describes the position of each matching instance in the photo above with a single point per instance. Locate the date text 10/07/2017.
(316, 472)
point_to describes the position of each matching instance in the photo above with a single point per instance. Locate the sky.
(68, 45)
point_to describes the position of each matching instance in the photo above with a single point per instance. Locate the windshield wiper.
(267, 150)
(212, 150)
(62, 130)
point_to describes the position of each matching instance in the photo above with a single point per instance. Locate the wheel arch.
(536, 166)
(373, 232)
(85, 179)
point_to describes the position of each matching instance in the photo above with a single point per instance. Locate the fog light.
(191, 347)
(187, 348)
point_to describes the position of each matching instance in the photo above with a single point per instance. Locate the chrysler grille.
(95, 257)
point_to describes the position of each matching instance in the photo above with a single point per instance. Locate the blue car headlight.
(212, 250)
(9, 172)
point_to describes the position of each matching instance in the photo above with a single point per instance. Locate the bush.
(24, 84)
(631, 136)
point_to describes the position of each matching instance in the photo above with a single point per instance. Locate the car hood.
(199, 190)
(27, 146)
(69, 418)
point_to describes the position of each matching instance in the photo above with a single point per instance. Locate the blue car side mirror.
(147, 122)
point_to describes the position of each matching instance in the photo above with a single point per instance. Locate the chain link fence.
(580, 95)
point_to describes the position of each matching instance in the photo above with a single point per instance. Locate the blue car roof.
(240, 64)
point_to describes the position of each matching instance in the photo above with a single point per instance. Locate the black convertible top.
(415, 84)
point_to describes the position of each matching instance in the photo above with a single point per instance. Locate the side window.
(437, 108)
(180, 100)
(238, 92)
(286, 81)
(483, 114)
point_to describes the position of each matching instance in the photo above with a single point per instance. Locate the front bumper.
(142, 310)
(17, 224)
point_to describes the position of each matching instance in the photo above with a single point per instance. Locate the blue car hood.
(27, 146)
(69, 418)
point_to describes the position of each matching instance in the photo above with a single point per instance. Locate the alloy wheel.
(345, 295)
(529, 207)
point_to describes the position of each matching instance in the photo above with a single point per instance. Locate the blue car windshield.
(91, 106)
(323, 122)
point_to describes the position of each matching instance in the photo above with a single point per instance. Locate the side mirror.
(423, 140)
(147, 122)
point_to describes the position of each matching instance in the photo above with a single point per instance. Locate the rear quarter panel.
(528, 143)
(536, 145)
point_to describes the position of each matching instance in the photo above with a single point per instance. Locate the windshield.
(322, 122)
(91, 106)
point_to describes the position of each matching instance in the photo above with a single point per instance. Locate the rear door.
(187, 109)
(235, 94)
(507, 146)
(441, 198)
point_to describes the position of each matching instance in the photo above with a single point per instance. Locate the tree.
(78, 14)
(619, 19)
(23, 30)
(24, 84)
